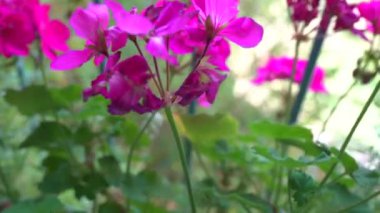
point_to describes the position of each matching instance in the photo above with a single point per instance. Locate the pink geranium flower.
(53, 33)
(281, 69)
(220, 19)
(16, 33)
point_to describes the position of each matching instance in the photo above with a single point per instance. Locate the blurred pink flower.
(220, 19)
(22, 21)
(371, 12)
(281, 69)
(53, 33)
(16, 33)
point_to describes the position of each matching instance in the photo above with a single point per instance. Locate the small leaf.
(58, 177)
(95, 106)
(90, 185)
(201, 128)
(303, 186)
(275, 157)
(67, 95)
(366, 178)
(48, 135)
(349, 163)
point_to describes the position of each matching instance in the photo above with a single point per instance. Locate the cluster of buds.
(163, 33)
(368, 66)
(24, 21)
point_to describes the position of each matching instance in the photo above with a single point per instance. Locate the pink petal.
(157, 47)
(99, 58)
(102, 14)
(116, 38)
(71, 59)
(244, 31)
(85, 24)
(134, 24)
(221, 12)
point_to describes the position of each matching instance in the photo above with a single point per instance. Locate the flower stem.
(351, 133)
(292, 77)
(314, 55)
(135, 143)
(360, 202)
(170, 117)
(159, 88)
(341, 98)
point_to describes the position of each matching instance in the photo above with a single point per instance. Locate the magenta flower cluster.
(163, 34)
(340, 12)
(24, 21)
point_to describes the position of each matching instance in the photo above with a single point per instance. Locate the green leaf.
(89, 185)
(66, 96)
(49, 135)
(83, 135)
(290, 135)
(111, 170)
(32, 100)
(95, 106)
(201, 128)
(46, 204)
(334, 198)
(303, 187)
(58, 177)
(275, 157)
(349, 163)
(366, 178)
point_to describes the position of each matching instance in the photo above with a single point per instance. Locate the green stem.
(135, 143)
(21, 72)
(351, 133)
(289, 194)
(292, 77)
(360, 202)
(173, 126)
(341, 98)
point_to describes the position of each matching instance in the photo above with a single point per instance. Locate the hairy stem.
(341, 98)
(181, 153)
(314, 55)
(136, 142)
(351, 133)
(359, 203)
